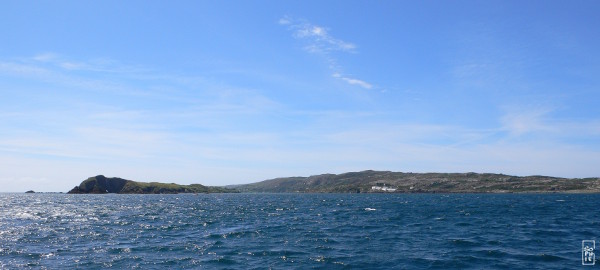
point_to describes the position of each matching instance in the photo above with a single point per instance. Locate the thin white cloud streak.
(358, 82)
(96, 65)
(49, 74)
(320, 41)
(353, 81)
(20, 69)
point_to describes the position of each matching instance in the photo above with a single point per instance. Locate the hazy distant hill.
(101, 184)
(364, 181)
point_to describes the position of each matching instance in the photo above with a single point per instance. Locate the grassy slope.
(156, 188)
(423, 182)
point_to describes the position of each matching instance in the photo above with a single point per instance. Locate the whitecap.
(370, 209)
(24, 215)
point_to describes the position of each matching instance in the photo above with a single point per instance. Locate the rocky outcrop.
(101, 185)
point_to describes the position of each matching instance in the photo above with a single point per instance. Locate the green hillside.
(365, 181)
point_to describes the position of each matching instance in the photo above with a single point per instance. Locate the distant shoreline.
(400, 182)
(319, 193)
(361, 182)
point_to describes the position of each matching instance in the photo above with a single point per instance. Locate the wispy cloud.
(45, 57)
(115, 115)
(349, 80)
(525, 121)
(284, 21)
(96, 65)
(319, 40)
(540, 122)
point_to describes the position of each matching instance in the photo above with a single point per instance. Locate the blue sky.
(229, 92)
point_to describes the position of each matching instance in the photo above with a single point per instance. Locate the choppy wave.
(333, 231)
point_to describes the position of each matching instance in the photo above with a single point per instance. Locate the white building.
(388, 189)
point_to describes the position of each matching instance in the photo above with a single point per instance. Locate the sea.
(299, 231)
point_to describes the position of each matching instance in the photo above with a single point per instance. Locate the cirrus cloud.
(318, 40)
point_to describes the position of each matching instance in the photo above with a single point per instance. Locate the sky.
(231, 92)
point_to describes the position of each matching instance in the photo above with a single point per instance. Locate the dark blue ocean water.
(297, 231)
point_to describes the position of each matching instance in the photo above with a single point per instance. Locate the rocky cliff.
(101, 185)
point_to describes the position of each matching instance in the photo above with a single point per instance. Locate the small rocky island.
(101, 185)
